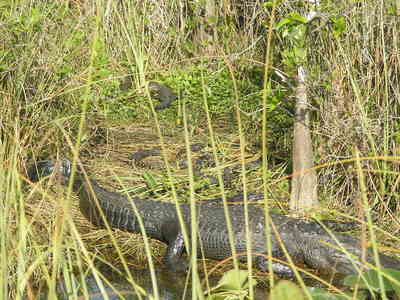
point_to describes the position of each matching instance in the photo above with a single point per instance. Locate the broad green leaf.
(234, 280)
(321, 294)
(297, 34)
(282, 23)
(287, 290)
(370, 280)
(300, 54)
(339, 25)
(36, 16)
(295, 17)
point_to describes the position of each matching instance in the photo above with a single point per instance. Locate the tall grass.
(61, 65)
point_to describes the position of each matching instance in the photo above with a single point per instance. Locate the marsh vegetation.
(73, 78)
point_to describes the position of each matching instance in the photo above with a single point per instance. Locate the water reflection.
(171, 286)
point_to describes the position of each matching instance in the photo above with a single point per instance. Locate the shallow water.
(171, 286)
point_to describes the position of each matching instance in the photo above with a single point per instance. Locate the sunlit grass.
(61, 66)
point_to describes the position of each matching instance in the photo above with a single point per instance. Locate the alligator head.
(61, 169)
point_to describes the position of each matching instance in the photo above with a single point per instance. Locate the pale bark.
(304, 194)
(206, 33)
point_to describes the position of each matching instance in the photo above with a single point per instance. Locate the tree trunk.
(206, 33)
(304, 194)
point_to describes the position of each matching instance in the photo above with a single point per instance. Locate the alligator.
(157, 90)
(163, 93)
(307, 243)
(204, 160)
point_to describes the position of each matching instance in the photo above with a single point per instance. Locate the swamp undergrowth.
(62, 66)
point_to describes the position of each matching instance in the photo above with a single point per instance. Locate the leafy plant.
(233, 284)
(293, 28)
(287, 290)
(370, 280)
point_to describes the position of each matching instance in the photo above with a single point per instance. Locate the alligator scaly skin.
(306, 242)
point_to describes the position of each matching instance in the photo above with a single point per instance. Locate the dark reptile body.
(306, 242)
(205, 160)
(162, 93)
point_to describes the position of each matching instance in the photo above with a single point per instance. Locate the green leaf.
(287, 290)
(104, 72)
(35, 16)
(321, 294)
(65, 70)
(282, 23)
(150, 181)
(393, 11)
(300, 54)
(370, 280)
(297, 34)
(339, 25)
(295, 17)
(271, 3)
(212, 20)
(233, 281)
